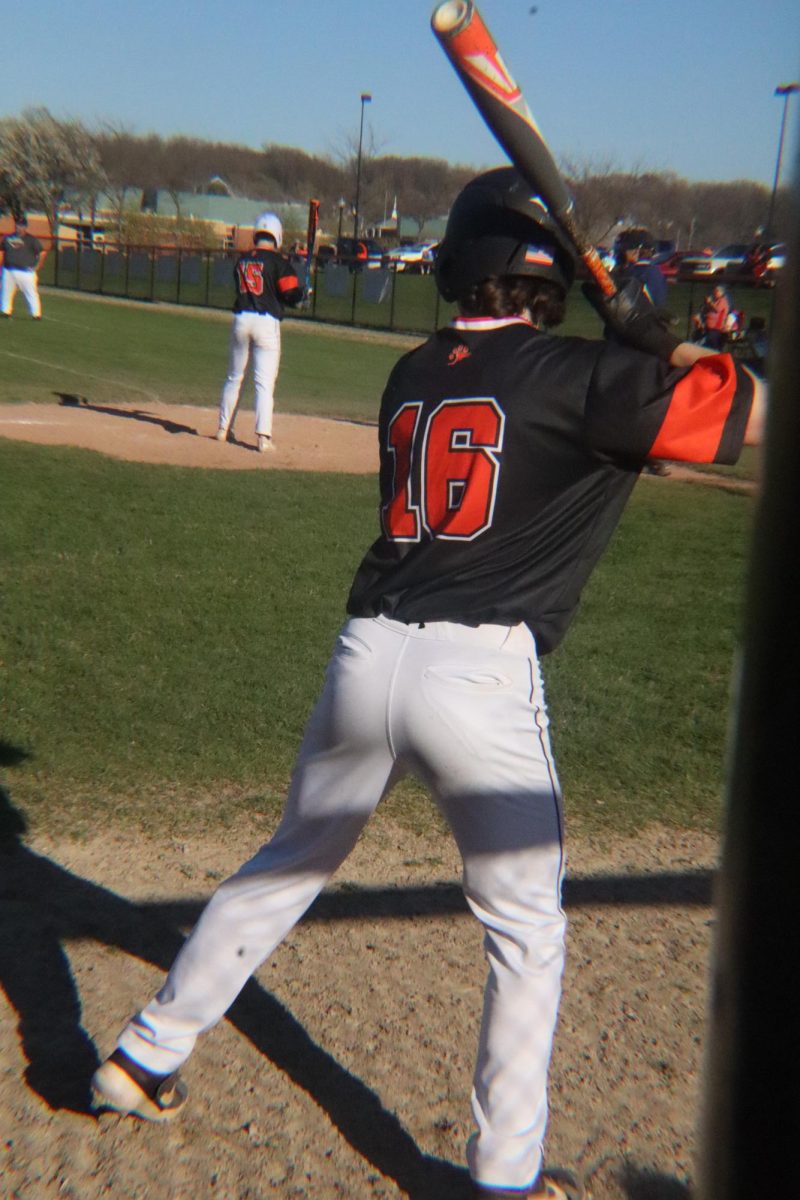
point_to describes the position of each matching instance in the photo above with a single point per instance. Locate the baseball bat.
(473, 52)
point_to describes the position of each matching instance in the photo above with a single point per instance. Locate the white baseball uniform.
(403, 697)
(265, 281)
(21, 253)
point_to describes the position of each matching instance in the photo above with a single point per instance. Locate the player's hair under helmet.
(496, 227)
(269, 222)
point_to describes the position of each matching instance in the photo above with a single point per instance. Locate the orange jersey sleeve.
(641, 408)
(702, 403)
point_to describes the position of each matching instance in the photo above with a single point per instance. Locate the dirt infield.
(183, 435)
(344, 1069)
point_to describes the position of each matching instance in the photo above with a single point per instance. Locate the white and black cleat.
(122, 1085)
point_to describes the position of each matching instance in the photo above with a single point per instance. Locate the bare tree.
(45, 161)
(424, 187)
(128, 165)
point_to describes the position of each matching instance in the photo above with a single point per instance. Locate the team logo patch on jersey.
(458, 354)
(539, 256)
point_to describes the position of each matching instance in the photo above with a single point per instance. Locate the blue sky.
(663, 84)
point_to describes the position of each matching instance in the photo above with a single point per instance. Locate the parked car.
(607, 257)
(429, 258)
(415, 258)
(669, 266)
(663, 250)
(356, 253)
(707, 266)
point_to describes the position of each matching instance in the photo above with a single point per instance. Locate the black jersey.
(651, 279)
(265, 282)
(21, 251)
(507, 457)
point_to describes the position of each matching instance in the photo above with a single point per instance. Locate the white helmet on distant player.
(270, 222)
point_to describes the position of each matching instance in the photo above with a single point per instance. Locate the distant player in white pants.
(507, 456)
(22, 256)
(265, 282)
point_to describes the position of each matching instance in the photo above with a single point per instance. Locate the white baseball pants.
(263, 334)
(463, 709)
(27, 283)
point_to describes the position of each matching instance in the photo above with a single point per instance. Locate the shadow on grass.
(72, 400)
(47, 905)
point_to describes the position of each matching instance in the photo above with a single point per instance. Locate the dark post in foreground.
(751, 1122)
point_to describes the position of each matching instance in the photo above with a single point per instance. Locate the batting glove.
(631, 317)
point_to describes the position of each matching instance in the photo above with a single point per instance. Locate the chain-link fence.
(377, 298)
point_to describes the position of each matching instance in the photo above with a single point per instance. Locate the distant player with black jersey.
(507, 456)
(23, 254)
(265, 282)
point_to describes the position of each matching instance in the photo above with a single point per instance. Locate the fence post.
(208, 277)
(314, 288)
(353, 305)
(78, 265)
(102, 268)
(152, 273)
(393, 275)
(58, 256)
(126, 288)
(178, 281)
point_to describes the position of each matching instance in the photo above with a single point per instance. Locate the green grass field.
(143, 352)
(138, 354)
(165, 630)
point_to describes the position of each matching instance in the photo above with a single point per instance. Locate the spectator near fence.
(712, 321)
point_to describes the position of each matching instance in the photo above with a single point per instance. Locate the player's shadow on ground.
(71, 400)
(47, 905)
(639, 1184)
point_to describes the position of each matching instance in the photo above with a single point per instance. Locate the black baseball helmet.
(634, 239)
(498, 227)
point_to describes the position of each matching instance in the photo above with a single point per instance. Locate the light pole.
(365, 99)
(342, 203)
(785, 90)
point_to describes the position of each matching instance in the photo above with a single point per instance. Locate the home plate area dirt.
(184, 435)
(344, 1068)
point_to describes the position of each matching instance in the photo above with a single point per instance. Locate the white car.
(415, 258)
(707, 266)
(777, 258)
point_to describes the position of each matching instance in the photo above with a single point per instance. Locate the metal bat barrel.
(473, 52)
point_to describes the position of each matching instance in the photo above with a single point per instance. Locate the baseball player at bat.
(507, 454)
(265, 282)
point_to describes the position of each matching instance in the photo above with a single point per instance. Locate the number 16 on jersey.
(446, 470)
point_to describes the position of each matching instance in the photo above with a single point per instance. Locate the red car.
(670, 265)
